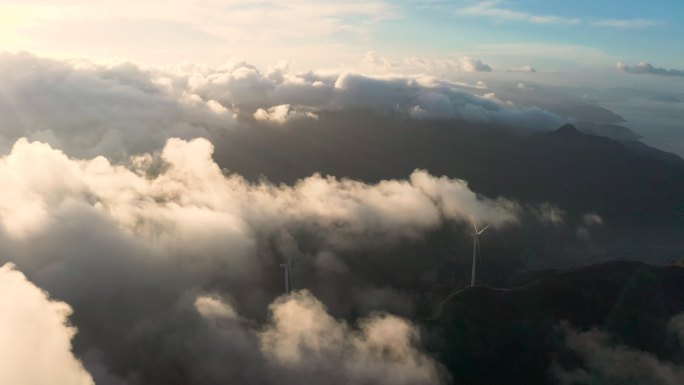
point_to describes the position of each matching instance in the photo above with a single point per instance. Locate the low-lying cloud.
(469, 64)
(166, 252)
(648, 69)
(282, 114)
(117, 110)
(613, 363)
(165, 191)
(90, 110)
(299, 342)
(381, 350)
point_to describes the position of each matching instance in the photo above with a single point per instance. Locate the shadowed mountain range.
(638, 191)
(518, 336)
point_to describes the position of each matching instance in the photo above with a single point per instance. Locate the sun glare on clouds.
(210, 31)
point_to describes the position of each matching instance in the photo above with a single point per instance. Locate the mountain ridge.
(511, 336)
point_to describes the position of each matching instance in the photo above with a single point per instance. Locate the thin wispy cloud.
(497, 11)
(628, 23)
(492, 9)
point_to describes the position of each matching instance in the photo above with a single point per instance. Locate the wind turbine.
(288, 272)
(476, 247)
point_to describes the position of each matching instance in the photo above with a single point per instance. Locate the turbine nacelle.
(480, 231)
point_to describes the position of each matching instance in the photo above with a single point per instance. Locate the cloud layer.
(167, 252)
(89, 110)
(121, 109)
(300, 342)
(649, 69)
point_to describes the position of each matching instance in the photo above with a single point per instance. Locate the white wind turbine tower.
(476, 248)
(288, 272)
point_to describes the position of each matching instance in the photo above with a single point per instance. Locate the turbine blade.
(483, 229)
(475, 226)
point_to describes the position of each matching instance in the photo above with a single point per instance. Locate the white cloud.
(36, 335)
(469, 64)
(87, 109)
(301, 342)
(282, 114)
(304, 337)
(191, 188)
(214, 308)
(649, 69)
(444, 65)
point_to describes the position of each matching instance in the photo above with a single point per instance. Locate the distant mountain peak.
(568, 129)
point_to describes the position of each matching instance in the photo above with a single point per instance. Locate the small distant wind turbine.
(476, 248)
(288, 272)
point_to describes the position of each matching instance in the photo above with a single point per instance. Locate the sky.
(548, 34)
